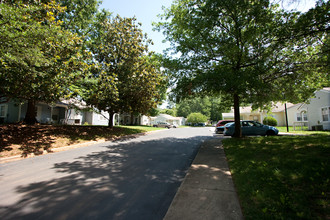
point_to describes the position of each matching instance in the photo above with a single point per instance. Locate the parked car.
(221, 126)
(199, 124)
(223, 122)
(250, 128)
(163, 125)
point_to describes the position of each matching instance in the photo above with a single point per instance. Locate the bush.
(196, 118)
(270, 121)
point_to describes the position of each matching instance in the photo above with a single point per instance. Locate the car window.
(245, 124)
(250, 123)
(257, 124)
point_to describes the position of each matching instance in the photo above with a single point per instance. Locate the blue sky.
(146, 12)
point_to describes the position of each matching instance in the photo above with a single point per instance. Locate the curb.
(290, 134)
(68, 147)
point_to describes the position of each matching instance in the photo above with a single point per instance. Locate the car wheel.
(270, 133)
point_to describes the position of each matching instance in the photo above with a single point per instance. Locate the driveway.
(127, 179)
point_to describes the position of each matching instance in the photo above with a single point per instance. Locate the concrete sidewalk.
(207, 191)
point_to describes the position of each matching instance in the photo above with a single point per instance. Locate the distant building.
(177, 121)
(313, 114)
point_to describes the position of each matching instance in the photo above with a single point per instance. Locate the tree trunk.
(132, 119)
(110, 124)
(238, 129)
(30, 116)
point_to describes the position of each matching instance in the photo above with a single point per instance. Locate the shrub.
(270, 121)
(196, 118)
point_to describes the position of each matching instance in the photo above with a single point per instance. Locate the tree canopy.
(249, 50)
(125, 76)
(38, 58)
(196, 118)
(58, 49)
(212, 107)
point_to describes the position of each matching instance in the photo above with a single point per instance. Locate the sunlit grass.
(142, 128)
(284, 129)
(281, 177)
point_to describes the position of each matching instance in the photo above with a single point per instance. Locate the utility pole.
(286, 118)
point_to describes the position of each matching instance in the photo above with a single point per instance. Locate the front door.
(38, 113)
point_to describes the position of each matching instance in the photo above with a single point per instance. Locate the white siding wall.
(292, 114)
(322, 99)
(280, 118)
(98, 119)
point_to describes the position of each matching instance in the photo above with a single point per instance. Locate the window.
(298, 117)
(3, 111)
(302, 116)
(325, 113)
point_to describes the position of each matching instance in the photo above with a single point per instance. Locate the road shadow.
(135, 180)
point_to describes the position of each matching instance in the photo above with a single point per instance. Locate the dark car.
(251, 128)
(199, 124)
(220, 126)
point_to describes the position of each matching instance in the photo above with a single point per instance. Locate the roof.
(326, 89)
(280, 107)
(227, 115)
(276, 107)
(169, 117)
(74, 102)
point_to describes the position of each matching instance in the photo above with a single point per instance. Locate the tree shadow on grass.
(27, 139)
(135, 180)
(39, 138)
(290, 176)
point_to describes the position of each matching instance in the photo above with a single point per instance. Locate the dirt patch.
(20, 139)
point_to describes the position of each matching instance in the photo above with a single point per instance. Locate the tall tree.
(146, 87)
(120, 54)
(38, 58)
(212, 107)
(194, 105)
(242, 48)
(78, 15)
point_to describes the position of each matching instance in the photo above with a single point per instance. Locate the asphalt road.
(128, 179)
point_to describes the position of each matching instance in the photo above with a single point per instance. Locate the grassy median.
(283, 177)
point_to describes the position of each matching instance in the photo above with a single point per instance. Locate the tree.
(212, 107)
(125, 77)
(78, 15)
(219, 105)
(245, 49)
(196, 118)
(146, 86)
(198, 104)
(38, 58)
(270, 121)
(169, 111)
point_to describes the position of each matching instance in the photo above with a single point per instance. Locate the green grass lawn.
(305, 131)
(140, 128)
(281, 177)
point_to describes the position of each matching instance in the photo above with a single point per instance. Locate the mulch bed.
(26, 139)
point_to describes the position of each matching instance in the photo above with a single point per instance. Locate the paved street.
(126, 179)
